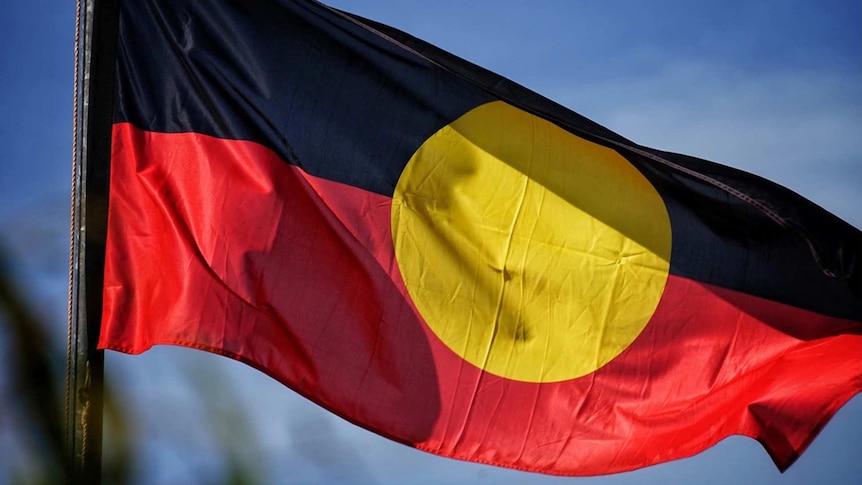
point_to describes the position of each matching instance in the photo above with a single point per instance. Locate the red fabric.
(219, 245)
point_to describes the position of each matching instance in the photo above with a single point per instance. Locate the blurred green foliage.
(32, 405)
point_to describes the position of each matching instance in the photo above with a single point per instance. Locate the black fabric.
(350, 100)
(323, 93)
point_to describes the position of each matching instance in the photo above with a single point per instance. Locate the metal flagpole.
(95, 52)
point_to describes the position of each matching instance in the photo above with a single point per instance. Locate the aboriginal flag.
(452, 261)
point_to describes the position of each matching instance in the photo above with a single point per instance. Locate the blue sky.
(771, 87)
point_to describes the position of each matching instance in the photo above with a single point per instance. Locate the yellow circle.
(534, 254)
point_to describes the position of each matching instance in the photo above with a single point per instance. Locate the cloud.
(797, 128)
(317, 444)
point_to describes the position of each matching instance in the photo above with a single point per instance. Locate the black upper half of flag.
(350, 100)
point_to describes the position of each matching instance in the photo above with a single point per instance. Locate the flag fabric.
(450, 260)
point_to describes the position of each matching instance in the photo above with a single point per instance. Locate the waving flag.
(452, 261)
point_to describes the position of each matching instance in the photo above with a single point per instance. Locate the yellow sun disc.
(532, 253)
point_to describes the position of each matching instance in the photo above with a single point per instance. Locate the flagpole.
(95, 52)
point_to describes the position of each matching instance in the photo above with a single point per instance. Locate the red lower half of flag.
(219, 245)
